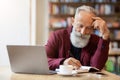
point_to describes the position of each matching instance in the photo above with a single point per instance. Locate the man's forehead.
(84, 14)
(85, 20)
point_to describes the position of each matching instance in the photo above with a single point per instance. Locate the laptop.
(28, 59)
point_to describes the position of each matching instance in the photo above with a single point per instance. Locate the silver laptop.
(28, 59)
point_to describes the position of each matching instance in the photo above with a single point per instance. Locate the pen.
(71, 55)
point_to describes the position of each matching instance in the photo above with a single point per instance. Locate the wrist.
(106, 35)
(62, 62)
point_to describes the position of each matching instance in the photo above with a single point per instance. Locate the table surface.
(6, 74)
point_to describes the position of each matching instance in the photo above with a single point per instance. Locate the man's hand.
(72, 61)
(101, 25)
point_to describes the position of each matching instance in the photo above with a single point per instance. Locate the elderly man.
(77, 45)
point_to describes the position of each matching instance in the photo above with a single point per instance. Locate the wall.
(14, 25)
(22, 22)
(39, 21)
(42, 15)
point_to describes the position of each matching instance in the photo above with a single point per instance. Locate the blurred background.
(29, 22)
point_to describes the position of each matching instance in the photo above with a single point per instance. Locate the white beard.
(78, 40)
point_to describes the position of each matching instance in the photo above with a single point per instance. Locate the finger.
(75, 63)
(67, 62)
(95, 24)
(78, 63)
(71, 63)
(102, 29)
(96, 18)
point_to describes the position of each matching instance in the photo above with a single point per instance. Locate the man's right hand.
(72, 61)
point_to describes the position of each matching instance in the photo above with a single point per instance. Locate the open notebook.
(87, 69)
(83, 69)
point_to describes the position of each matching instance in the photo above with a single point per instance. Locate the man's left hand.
(101, 25)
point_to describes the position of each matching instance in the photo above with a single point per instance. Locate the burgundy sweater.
(58, 46)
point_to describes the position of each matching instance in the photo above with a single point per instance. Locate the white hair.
(78, 40)
(85, 8)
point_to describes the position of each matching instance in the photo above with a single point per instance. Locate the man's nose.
(83, 31)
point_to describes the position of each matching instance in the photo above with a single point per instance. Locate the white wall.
(22, 22)
(14, 25)
(42, 10)
(39, 21)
